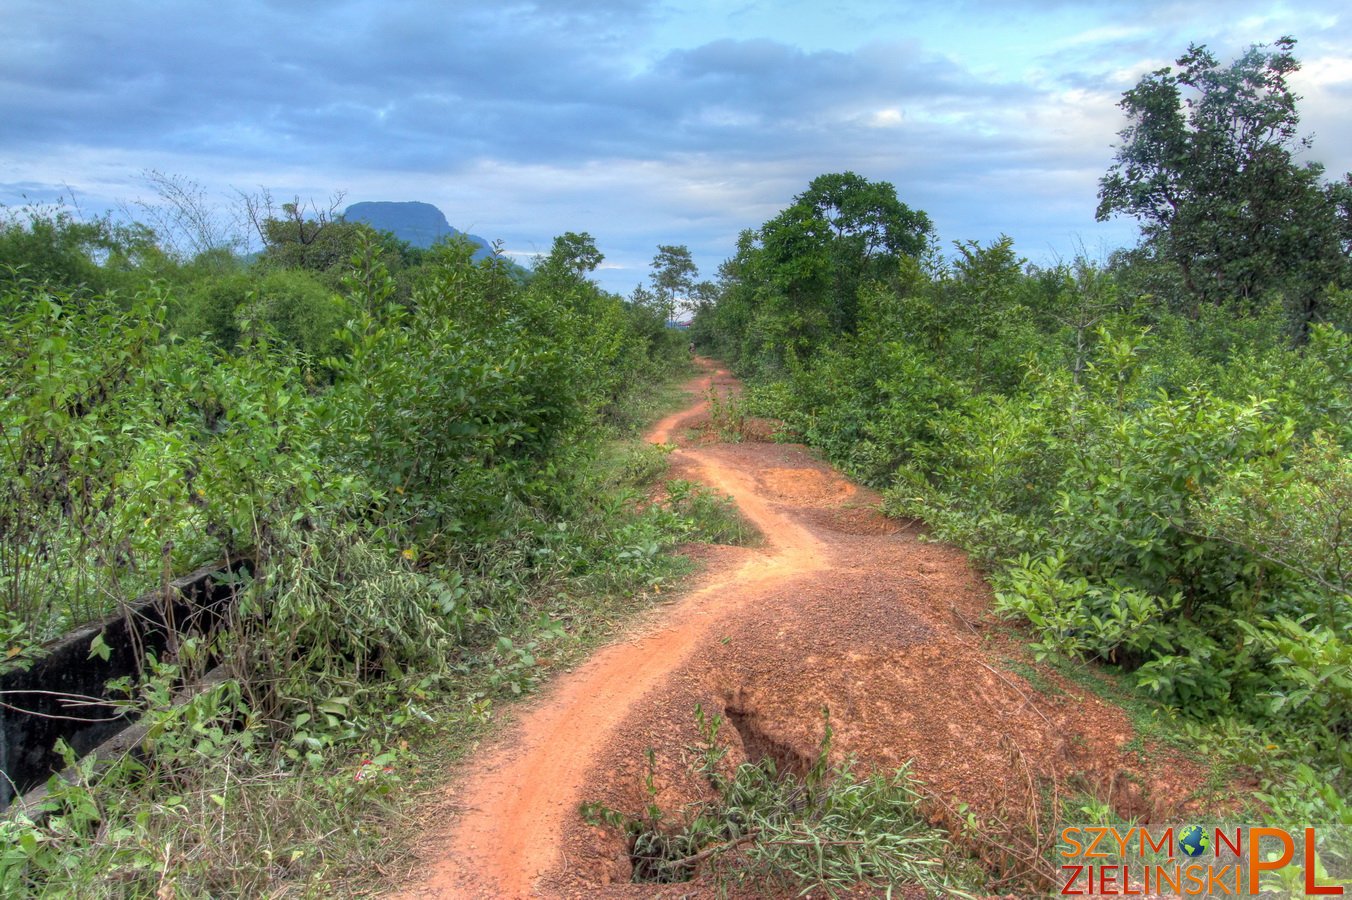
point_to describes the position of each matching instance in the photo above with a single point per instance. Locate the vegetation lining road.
(414, 449)
(1150, 457)
(840, 609)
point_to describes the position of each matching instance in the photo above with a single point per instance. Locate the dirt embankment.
(840, 609)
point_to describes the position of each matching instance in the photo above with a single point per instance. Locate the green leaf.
(98, 647)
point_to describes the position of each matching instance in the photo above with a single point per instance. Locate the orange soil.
(841, 608)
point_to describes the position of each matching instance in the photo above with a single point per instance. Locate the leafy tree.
(299, 243)
(207, 307)
(982, 314)
(838, 233)
(703, 295)
(795, 281)
(575, 253)
(865, 217)
(1207, 164)
(306, 235)
(296, 308)
(674, 274)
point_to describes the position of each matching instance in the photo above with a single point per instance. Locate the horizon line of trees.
(290, 285)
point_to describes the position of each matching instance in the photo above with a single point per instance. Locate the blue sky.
(640, 122)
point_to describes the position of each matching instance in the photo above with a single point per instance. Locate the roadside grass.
(644, 404)
(1032, 675)
(707, 518)
(1152, 722)
(1231, 752)
(826, 828)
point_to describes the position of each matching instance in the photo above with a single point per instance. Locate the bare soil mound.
(841, 610)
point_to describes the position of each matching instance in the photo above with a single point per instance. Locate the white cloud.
(525, 121)
(1102, 34)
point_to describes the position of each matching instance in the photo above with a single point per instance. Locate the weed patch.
(803, 825)
(703, 516)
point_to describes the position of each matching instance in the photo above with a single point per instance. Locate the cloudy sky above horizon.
(639, 121)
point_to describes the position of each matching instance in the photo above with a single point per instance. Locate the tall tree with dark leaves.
(1207, 163)
(842, 231)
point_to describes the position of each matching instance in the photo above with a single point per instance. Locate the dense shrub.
(412, 468)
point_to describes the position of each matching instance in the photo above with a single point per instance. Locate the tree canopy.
(1208, 164)
(575, 253)
(798, 277)
(674, 274)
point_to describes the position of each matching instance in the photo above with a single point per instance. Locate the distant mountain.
(421, 224)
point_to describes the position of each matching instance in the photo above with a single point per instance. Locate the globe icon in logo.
(1193, 841)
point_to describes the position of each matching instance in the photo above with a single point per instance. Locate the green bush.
(295, 308)
(415, 480)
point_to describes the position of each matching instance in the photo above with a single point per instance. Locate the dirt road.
(840, 608)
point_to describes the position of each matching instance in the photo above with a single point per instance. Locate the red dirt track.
(841, 608)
